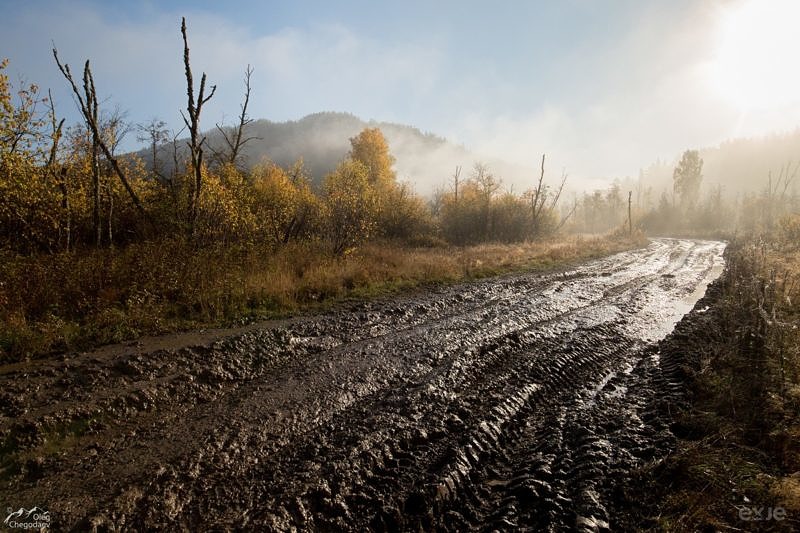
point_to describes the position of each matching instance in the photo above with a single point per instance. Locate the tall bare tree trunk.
(456, 183)
(88, 105)
(238, 140)
(61, 178)
(193, 123)
(630, 222)
(110, 196)
(96, 196)
(66, 208)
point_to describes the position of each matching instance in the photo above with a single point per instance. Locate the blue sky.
(603, 87)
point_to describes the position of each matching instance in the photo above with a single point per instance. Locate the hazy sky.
(603, 87)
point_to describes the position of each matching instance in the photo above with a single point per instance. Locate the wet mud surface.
(517, 403)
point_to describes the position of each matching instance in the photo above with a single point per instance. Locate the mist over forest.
(426, 160)
(736, 171)
(738, 166)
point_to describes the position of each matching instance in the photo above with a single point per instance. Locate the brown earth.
(520, 402)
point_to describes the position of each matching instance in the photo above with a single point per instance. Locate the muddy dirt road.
(513, 403)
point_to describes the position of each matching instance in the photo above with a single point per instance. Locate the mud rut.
(513, 403)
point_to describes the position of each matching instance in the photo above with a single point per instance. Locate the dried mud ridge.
(513, 403)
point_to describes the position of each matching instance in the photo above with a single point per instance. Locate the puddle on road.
(700, 290)
(665, 308)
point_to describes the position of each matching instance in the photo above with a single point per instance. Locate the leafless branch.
(193, 123)
(88, 107)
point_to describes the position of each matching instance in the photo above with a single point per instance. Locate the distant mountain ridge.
(322, 140)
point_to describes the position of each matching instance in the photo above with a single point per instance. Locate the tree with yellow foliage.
(405, 215)
(350, 205)
(283, 202)
(400, 213)
(222, 208)
(21, 124)
(29, 205)
(371, 149)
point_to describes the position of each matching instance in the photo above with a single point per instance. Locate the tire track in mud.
(511, 403)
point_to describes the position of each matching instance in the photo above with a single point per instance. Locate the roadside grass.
(76, 301)
(738, 452)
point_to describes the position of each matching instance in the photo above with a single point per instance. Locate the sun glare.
(756, 61)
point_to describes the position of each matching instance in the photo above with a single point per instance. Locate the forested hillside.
(424, 160)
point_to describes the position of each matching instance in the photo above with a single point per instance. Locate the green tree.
(687, 177)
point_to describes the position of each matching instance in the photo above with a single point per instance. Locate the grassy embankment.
(738, 458)
(79, 300)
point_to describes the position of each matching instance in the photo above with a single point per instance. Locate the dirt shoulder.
(735, 462)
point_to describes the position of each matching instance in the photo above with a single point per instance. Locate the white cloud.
(597, 111)
(297, 71)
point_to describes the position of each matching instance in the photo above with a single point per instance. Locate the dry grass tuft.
(787, 492)
(66, 301)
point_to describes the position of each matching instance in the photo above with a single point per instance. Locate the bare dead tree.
(194, 108)
(236, 140)
(61, 176)
(91, 98)
(87, 101)
(568, 215)
(114, 127)
(55, 136)
(154, 133)
(785, 179)
(488, 185)
(538, 198)
(90, 110)
(456, 183)
(173, 185)
(630, 220)
(540, 208)
(436, 200)
(539, 194)
(557, 195)
(775, 194)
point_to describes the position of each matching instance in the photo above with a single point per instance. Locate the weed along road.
(514, 402)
